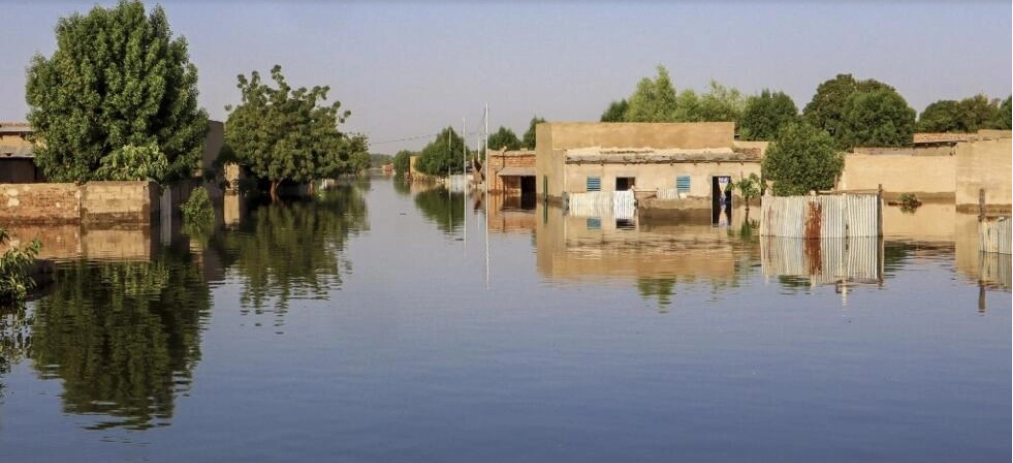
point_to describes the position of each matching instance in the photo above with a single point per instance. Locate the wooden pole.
(981, 204)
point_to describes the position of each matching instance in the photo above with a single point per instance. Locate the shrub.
(15, 265)
(197, 210)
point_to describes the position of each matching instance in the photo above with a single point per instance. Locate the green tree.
(117, 81)
(765, 114)
(15, 266)
(504, 138)
(802, 158)
(877, 118)
(530, 140)
(402, 161)
(826, 110)
(654, 100)
(978, 112)
(285, 134)
(720, 104)
(442, 155)
(616, 112)
(940, 116)
(748, 188)
(1002, 119)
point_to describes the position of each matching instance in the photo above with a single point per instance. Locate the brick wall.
(501, 159)
(94, 202)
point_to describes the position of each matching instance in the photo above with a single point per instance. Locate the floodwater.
(379, 323)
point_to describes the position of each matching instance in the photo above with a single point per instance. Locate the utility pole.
(464, 176)
(485, 184)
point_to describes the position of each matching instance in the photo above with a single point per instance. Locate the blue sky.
(406, 69)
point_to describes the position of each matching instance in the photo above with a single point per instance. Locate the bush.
(802, 158)
(197, 210)
(15, 265)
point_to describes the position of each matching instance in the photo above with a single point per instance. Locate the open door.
(721, 199)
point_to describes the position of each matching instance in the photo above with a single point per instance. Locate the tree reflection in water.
(293, 250)
(123, 336)
(442, 208)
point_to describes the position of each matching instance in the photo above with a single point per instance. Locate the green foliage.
(504, 138)
(123, 337)
(134, 163)
(284, 134)
(379, 160)
(653, 100)
(765, 114)
(616, 112)
(877, 118)
(198, 210)
(1003, 118)
(720, 104)
(940, 116)
(826, 110)
(15, 265)
(748, 187)
(442, 155)
(117, 82)
(802, 158)
(530, 140)
(402, 161)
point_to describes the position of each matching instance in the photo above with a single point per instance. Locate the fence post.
(981, 204)
(879, 210)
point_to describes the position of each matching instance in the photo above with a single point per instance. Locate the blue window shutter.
(594, 184)
(682, 183)
(593, 223)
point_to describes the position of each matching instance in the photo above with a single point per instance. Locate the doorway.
(721, 199)
(624, 183)
(528, 196)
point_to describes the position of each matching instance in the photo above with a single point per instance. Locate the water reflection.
(829, 261)
(123, 337)
(442, 207)
(293, 250)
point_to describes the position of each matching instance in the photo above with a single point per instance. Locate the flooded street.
(383, 323)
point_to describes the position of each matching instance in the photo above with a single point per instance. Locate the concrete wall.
(554, 138)
(655, 176)
(94, 202)
(984, 165)
(924, 175)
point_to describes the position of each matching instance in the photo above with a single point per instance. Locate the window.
(682, 184)
(594, 184)
(624, 183)
(593, 223)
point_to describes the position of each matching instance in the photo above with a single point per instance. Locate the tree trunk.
(310, 189)
(274, 191)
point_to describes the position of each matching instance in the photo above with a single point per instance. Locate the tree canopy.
(826, 110)
(877, 118)
(802, 158)
(118, 81)
(616, 112)
(968, 115)
(443, 155)
(765, 114)
(504, 138)
(1002, 120)
(530, 136)
(653, 100)
(285, 134)
(401, 162)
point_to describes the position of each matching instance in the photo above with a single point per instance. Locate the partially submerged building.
(691, 162)
(511, 172)
(17, 154)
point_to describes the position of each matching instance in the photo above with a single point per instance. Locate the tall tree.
(530, 136)
(721, 104)
(978, 112)
(504, 138)
(826, 110)
(877, 118)
(800, 159)
(401, 162)
(443, 155)
(765, 114)
(285, 134)
(117, 81)
(654, 100)
(616, 112)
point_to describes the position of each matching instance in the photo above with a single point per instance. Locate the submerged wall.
(93, 202)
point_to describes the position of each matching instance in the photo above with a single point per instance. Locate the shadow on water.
(124, 337)
(293, 250)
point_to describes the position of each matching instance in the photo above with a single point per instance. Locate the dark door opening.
(624, 183)
(721, 198)
(528, 195)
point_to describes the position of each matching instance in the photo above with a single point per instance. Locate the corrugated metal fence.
(815, 217)
(618, 204)
(994, 235)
